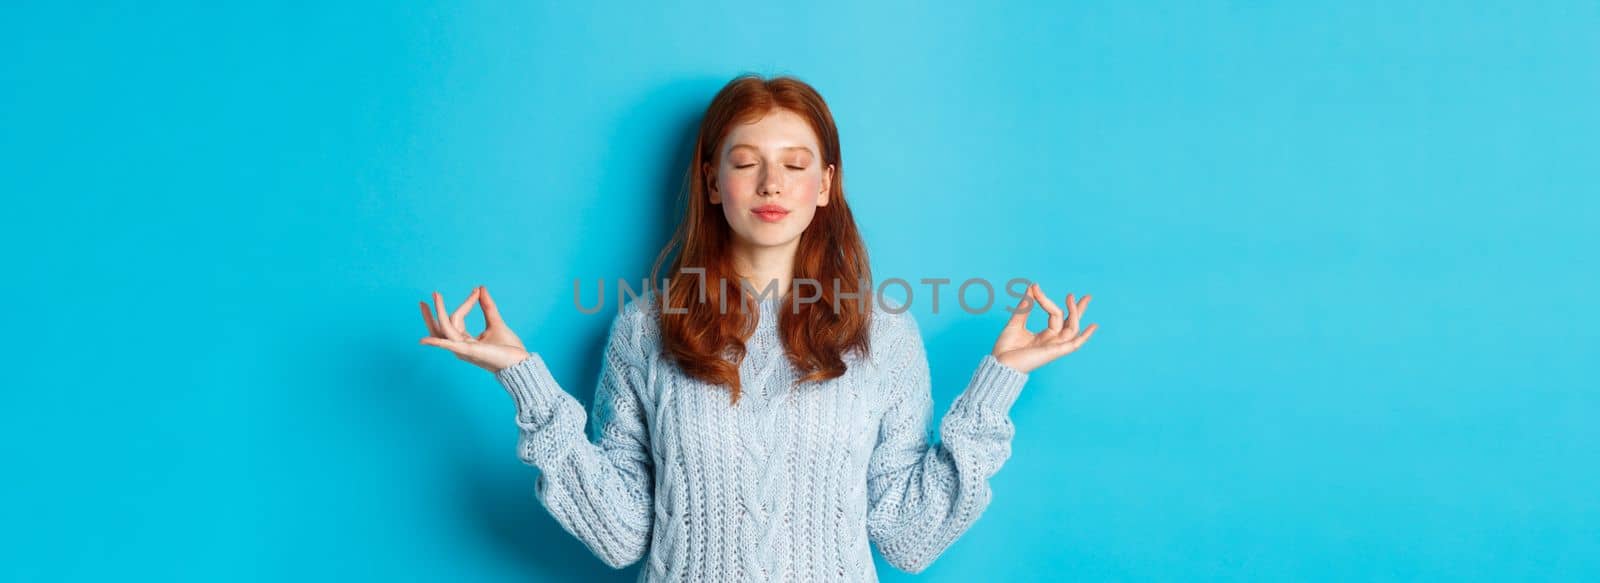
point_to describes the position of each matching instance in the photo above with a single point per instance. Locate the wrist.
(1010, 362)
(516, 359)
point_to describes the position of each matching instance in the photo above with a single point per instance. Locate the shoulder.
(636, 327)
(893, 324)
(893, 333)
(898, 357)
(635, 310)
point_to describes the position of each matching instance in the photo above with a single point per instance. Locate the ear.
(827, 186)
(711, 183)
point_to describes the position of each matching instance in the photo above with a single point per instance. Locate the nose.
(771, 184)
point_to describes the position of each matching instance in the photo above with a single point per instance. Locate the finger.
(1082, 337)
(459, 318)
(449, 332)
(463, 350)
(491, 312)
(1019, 316)
(427, 316)
(1049, 306)
(1073, 314)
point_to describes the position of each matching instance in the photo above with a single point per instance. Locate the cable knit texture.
(791, 484)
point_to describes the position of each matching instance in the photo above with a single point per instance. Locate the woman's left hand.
(1025, 351)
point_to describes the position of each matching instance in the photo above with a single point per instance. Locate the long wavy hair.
(708, 342)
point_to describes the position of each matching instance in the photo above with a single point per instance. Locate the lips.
(770, 212)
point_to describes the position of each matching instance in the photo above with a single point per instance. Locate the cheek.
(812, 183)
(813, 188)
(737, 189)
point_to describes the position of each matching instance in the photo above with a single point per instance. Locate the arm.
(601, 492)
(922, 496)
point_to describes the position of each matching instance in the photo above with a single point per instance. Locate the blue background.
(1341, 256)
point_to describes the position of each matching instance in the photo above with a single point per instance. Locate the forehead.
(778, 131)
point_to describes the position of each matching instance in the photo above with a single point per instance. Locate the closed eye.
(791, 167)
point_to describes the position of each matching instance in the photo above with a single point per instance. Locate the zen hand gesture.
(1023, 350)
(495, 349)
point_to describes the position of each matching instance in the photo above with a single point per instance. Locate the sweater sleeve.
(600, 491)
(922, 496)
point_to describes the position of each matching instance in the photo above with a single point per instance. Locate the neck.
(765, 266)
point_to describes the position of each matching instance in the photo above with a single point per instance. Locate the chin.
(769, 237)
(771, 241)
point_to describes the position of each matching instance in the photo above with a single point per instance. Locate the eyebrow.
(806, 149)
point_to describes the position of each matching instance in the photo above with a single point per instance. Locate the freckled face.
(769, 179)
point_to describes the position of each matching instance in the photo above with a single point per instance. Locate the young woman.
(744, 437)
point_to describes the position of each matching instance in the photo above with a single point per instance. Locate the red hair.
(708, 342)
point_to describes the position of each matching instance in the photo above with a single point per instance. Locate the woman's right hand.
(495, 349)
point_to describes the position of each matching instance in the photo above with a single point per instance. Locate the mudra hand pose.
(758, 437)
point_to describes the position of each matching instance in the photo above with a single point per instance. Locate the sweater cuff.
(995, 386)
(531, 386)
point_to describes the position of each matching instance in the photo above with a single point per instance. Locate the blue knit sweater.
(788, 485)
